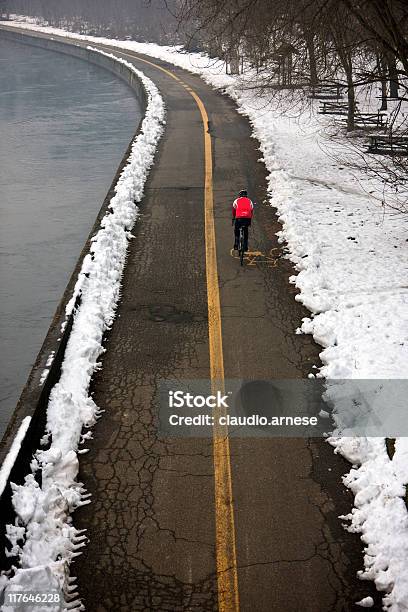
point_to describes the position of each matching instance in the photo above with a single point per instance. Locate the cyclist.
(242, 211)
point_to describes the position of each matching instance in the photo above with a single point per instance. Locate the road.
(155, 520)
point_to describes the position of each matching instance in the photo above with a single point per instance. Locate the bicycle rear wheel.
(241, 246)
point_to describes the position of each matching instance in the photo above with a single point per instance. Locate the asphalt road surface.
(152, 520)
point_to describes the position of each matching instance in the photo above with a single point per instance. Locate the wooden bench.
(388, 144)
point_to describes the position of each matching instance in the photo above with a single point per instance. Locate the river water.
(64, 127)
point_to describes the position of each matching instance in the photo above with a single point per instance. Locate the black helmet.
(243, 193)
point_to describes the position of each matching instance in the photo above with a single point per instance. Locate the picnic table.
(377, 119)
(333, 108)
(327, 92)
(388, 144)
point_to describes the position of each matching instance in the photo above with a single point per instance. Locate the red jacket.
(242, 208)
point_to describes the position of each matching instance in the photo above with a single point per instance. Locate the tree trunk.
(351, 99)
(234, 62)
(393, 75)
(312, 58)
(381, 66)
(345, 56)
(347, 64)
(289, 69)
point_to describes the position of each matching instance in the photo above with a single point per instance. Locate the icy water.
(64, 127)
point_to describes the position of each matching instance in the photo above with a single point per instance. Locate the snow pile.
(380, 514)
(43, 538)
(46, 370)
(13, 452)
(352, 263)
(366, 602)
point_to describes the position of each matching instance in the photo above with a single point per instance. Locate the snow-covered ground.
(351, 261)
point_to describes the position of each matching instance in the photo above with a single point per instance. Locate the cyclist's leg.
(246, 225)
(236, 234)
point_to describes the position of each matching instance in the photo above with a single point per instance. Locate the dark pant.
(245, 223)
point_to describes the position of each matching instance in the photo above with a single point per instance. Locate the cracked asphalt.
(151, 521)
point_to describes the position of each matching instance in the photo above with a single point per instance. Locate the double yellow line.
(227, 574)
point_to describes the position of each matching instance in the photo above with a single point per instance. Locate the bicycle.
(241, 245)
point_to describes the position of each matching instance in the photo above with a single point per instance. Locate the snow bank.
(44, 538)
(351, 259)
(13, 452)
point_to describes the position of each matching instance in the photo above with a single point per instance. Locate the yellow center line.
(227, 574)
